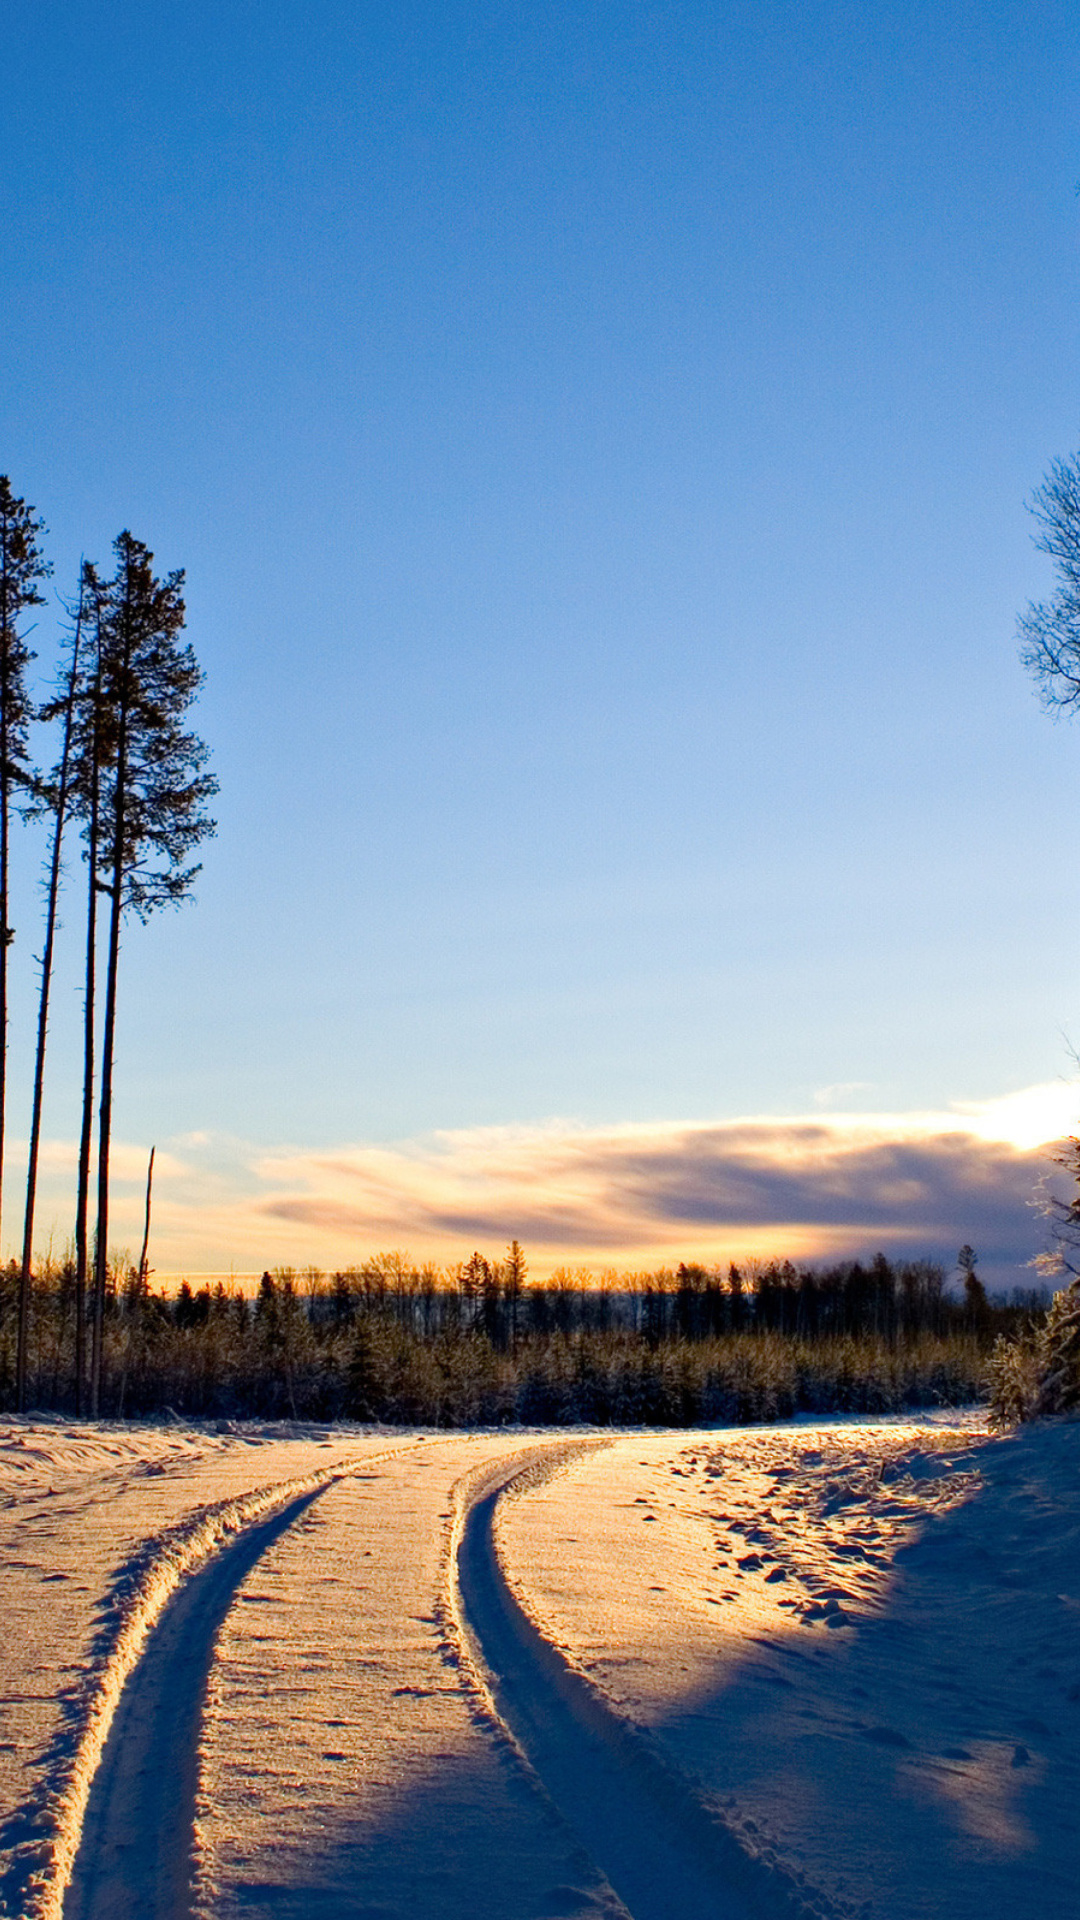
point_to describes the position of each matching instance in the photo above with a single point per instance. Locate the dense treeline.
(387, 1341)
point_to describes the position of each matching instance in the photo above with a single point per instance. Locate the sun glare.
(1026, 1119)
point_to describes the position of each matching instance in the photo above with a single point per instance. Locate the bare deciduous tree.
(1050, 630)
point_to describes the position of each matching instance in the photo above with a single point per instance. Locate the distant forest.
(480, 1344)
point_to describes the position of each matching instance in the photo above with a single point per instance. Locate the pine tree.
(56, 795)
(153, 796)
(976, 1303)
(21, 568)
(1057, 1352)
(515, 1271)
(90, 756)
(736, 1299)
(474, 1279)
(1036, 1372)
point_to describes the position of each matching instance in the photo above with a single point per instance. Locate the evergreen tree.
(1036, 1372)
(56, 797)
(22, 567)
(736, 1299)
(1058, 1354)
(474, 1278)
(976, 1303)
(91, 747)
(153, 796)
(515, 1272)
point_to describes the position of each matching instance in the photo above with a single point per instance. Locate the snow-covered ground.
(824, 1669)
(98, 1525)
(862, 1642)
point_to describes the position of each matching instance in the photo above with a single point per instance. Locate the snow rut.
(639, 1818)
(44, 1862)
(135, 1855)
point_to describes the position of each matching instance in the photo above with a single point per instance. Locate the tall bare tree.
(153, 795)
(55, 795)
(91, 746)
(22, 568)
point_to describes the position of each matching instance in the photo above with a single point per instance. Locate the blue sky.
(598, 444)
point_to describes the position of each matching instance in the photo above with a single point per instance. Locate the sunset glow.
(810, 1187)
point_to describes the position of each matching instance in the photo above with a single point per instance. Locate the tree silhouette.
(1050, 631)
(515, 1273)
(153, 793)
(21, 568)
(55, 795)
(90, 748)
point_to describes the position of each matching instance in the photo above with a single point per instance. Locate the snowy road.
(626, 1816)
(397, 1795)
(827, 1672)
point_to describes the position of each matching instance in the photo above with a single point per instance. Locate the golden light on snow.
(851, 1636)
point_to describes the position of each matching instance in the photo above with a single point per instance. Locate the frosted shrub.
(1058, 1352)
(1039, 1371)
(1014, 1380)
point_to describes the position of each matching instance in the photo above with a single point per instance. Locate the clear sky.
(597, 439)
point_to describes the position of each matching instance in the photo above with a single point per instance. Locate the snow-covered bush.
(1038, 1372)
(1014, 1380)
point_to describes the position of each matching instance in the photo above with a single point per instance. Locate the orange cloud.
(814, 1187)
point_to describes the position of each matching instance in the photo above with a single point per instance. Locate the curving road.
(653, 1850)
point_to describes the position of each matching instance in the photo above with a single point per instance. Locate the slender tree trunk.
(137, 1291)
(21, 566)
(143, 1270)
(108, 1038)
(82, 1204)
(5, 940)
(5, 936)
(43, 1009)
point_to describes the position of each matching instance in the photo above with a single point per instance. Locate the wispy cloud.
(643, 1195)
(819, 1186)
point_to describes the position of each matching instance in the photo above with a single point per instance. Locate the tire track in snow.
(637, 1816)
(52, 1821)
(135, 1856)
